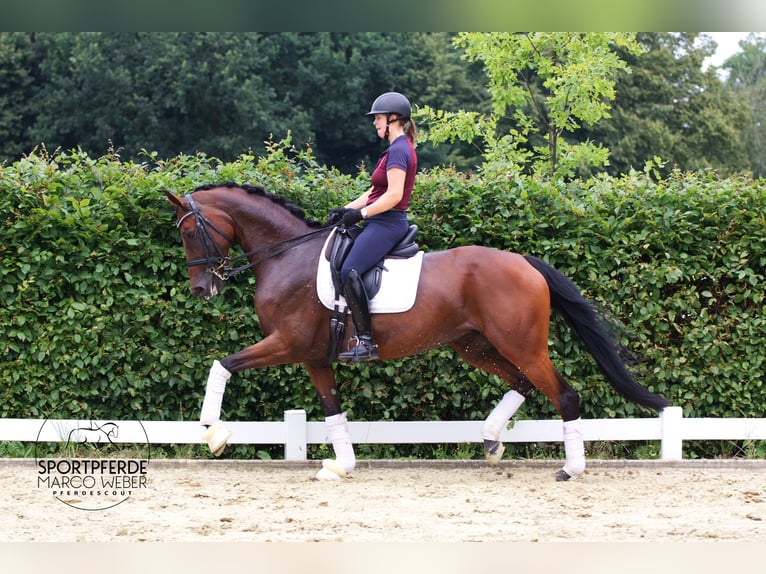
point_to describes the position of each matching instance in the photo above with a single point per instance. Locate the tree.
(542, 86)
(334, 77)
(220, 94)
(169, 93)
(747, 77)
(19, 85)
(669, 107)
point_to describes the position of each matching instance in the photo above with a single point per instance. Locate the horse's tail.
(595, 335)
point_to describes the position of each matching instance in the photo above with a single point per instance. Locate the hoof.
(216, 438)
(330, 471)
(493, 451)
(562, 475)
(325, 474)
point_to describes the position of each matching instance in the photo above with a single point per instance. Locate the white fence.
(295, 432)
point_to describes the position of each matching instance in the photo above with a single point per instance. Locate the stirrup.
(364, 350)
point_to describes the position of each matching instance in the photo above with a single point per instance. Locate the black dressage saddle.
(336, 253)
(341, 245)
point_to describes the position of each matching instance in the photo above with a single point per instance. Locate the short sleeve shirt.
(401, 154)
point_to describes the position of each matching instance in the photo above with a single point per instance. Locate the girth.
(344, 240)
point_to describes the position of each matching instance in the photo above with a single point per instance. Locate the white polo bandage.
(216, 385)
(338, 433)
(500, 416)
(574, 448)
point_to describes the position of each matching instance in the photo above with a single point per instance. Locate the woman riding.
(383, 207)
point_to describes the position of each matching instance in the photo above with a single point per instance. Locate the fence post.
(671, 447)
(295, 435)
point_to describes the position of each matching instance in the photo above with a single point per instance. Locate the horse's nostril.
(198, 291)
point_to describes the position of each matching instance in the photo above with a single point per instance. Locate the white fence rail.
(295, 432)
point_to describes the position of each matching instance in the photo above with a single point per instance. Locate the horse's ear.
(175, 200)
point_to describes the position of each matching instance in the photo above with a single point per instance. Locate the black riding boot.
(356, 297)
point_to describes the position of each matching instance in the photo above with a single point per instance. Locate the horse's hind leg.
(476, 350)
(566, 401)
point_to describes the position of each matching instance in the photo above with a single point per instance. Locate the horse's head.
(207, 235)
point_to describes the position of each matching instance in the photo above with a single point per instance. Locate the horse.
(492, 307)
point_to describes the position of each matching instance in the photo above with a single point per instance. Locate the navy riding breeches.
(380, 233)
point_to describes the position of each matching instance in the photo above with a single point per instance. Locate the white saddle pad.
(398, 287)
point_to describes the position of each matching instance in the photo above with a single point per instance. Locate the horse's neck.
(264, 223)
(257, 234)
(260, 224)
(267, 236)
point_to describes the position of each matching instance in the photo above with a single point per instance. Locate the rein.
(220, 265)
(281, 247)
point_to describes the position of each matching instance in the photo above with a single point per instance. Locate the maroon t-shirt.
(401, 154)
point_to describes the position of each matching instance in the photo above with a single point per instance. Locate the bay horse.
(490, 306)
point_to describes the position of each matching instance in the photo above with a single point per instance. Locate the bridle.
(219, 264)
(214, 257)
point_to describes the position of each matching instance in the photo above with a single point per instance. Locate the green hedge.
(97, 320)
(678, 262)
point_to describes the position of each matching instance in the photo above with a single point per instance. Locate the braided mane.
(259, 190)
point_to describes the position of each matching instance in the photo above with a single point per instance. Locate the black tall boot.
(356, 297)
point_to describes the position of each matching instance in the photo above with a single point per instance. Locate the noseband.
(218, 263)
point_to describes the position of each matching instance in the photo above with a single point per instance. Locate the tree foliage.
(221, 94)
(670, 108)
(747, 77)
(545, 85)
(225, 94)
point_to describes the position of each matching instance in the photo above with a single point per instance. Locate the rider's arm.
(393, 194)
(360, 201)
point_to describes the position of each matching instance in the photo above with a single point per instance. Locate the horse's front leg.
(323, 378)
(273, 351)
(268, 352)
(215, 435)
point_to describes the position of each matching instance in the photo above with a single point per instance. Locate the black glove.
(336, 215)
(351, 217)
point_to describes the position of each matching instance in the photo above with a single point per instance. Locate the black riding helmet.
(391, 103)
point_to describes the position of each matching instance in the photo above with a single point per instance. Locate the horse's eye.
(190, 235)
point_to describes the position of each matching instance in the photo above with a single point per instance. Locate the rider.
(384, 208)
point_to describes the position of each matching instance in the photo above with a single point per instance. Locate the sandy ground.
(192, 501)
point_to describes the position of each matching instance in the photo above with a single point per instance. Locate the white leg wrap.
(501, 414)
(337, 432)
(574, 448)
(216, 385)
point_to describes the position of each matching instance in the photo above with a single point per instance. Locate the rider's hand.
(351, 217)
(336, 215)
